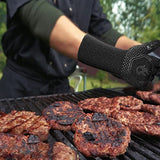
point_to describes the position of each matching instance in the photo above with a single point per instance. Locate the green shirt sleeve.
(110, 37)
(40, 17)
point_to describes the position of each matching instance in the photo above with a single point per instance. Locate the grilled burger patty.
(24, 122)
(61, 114)
(128, 102)
(101, 105)
(139, 122)
(99, 136)
(22, 147)
(131, 103)
(108, 105)
(144, 95)
(63, 152)
(155, 98)
(149, 96)
(150, 108)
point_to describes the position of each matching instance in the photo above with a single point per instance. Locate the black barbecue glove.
(134, 66)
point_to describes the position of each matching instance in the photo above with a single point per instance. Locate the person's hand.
(134, 66)
(138, 68)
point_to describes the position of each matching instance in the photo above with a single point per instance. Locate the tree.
(138, 19)
(2, 21)
(2, 30)
(151, 30)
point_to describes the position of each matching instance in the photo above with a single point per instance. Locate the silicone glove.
(134, 66)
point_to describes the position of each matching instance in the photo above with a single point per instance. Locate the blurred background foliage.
(137, 19)
(2, 31)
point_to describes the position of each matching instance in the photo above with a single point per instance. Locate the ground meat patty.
(20, 147)
(154, 109)
(101, 105)
(99, 136)
(63, 152)
(149, 96)
(144, 95)
(24, 122)
(61, 114)
(128, 102)
(156, 87)
(139, 122)
(155, 98)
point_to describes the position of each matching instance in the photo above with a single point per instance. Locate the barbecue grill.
(141, 147)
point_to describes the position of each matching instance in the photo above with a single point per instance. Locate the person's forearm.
(51, 26)
(66, 37)
(125, 43)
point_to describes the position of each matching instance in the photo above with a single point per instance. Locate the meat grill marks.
(63, 152)
(144, 95)
(108, 105)
(139, 117)
(131, 103)
(128, 102)
(99, 136)
(24, 122)
(61, 114)
(101, 105)
(150, 108)
(20, 147)
(149, 96)
(139, 122)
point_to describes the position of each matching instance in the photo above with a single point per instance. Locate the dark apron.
(13, 85)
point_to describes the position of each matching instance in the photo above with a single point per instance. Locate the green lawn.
(92, 82)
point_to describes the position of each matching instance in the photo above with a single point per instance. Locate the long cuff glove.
(134, 66)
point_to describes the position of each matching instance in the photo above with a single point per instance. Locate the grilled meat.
(139, 122)
(23, 128)
(156, 87)
(128, 102)
(101, 105)
(154, 109)
(155, 98)
(24, 122)
(63, 152)
(20, 147)
(131, 103)
(40, 128)
(9, 121)
(144, 95)
(149, 96)
(96, 135)
(61, 114)
(108, 105)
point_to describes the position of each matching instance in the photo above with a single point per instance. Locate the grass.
(93, 82)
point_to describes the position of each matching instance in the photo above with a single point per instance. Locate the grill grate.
(141, 147)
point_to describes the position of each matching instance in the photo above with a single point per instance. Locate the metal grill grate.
(141, 147)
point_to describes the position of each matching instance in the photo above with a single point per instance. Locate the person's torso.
(23, 49)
